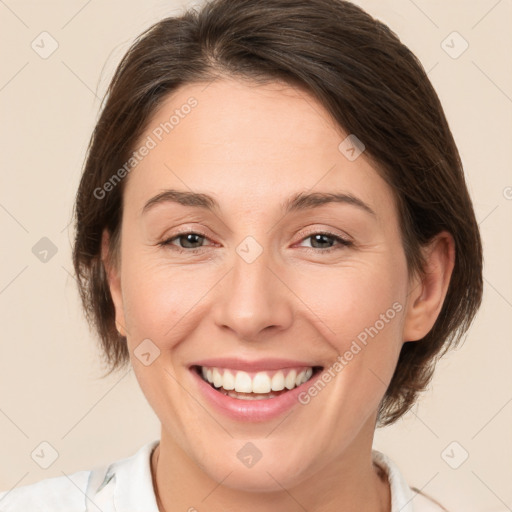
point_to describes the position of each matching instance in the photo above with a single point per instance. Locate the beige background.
(49, 370)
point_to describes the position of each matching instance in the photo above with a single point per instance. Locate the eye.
(322, 238)
(189, 238)
(189, 242)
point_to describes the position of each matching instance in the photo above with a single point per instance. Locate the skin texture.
(252, 147)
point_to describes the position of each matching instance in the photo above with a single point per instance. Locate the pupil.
(318, 238)
(187, 238)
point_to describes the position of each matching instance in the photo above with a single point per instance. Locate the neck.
(357, 484)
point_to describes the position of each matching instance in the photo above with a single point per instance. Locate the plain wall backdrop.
(57, 59)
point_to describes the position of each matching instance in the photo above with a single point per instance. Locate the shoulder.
(60, 493)
(112, 487)
(404, 498)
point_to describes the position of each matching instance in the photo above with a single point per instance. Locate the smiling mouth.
(256, 385)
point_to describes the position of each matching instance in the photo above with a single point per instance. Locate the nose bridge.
(252, 297)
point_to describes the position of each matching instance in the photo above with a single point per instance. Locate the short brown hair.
(371, 84)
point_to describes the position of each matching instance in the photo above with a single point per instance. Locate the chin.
(274, 470)
(256, 480)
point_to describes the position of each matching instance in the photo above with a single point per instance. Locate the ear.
(427, 293)
(114, 281)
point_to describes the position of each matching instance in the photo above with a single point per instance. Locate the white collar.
(130, 483)
(401, 493)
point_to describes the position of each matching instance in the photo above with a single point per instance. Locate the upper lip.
(237, 363)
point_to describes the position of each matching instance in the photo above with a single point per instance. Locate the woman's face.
(256, 288)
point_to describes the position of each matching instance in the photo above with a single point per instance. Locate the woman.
(273, 228)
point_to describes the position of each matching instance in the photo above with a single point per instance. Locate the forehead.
(254, 145)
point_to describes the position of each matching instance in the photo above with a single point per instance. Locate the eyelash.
(342, 242)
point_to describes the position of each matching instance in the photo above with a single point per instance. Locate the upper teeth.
(260, 382)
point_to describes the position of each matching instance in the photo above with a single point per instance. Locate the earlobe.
(428, 292)
(114, 282)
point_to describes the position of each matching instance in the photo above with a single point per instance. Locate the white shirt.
(126, 486)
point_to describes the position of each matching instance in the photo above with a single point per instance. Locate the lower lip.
(251, 410)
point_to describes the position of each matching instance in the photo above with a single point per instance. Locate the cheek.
(352, 301)
(160, 300)
(359, 311)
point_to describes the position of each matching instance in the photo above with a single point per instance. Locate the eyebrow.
(298, 202)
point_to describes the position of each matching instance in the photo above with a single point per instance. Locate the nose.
(252, 299)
